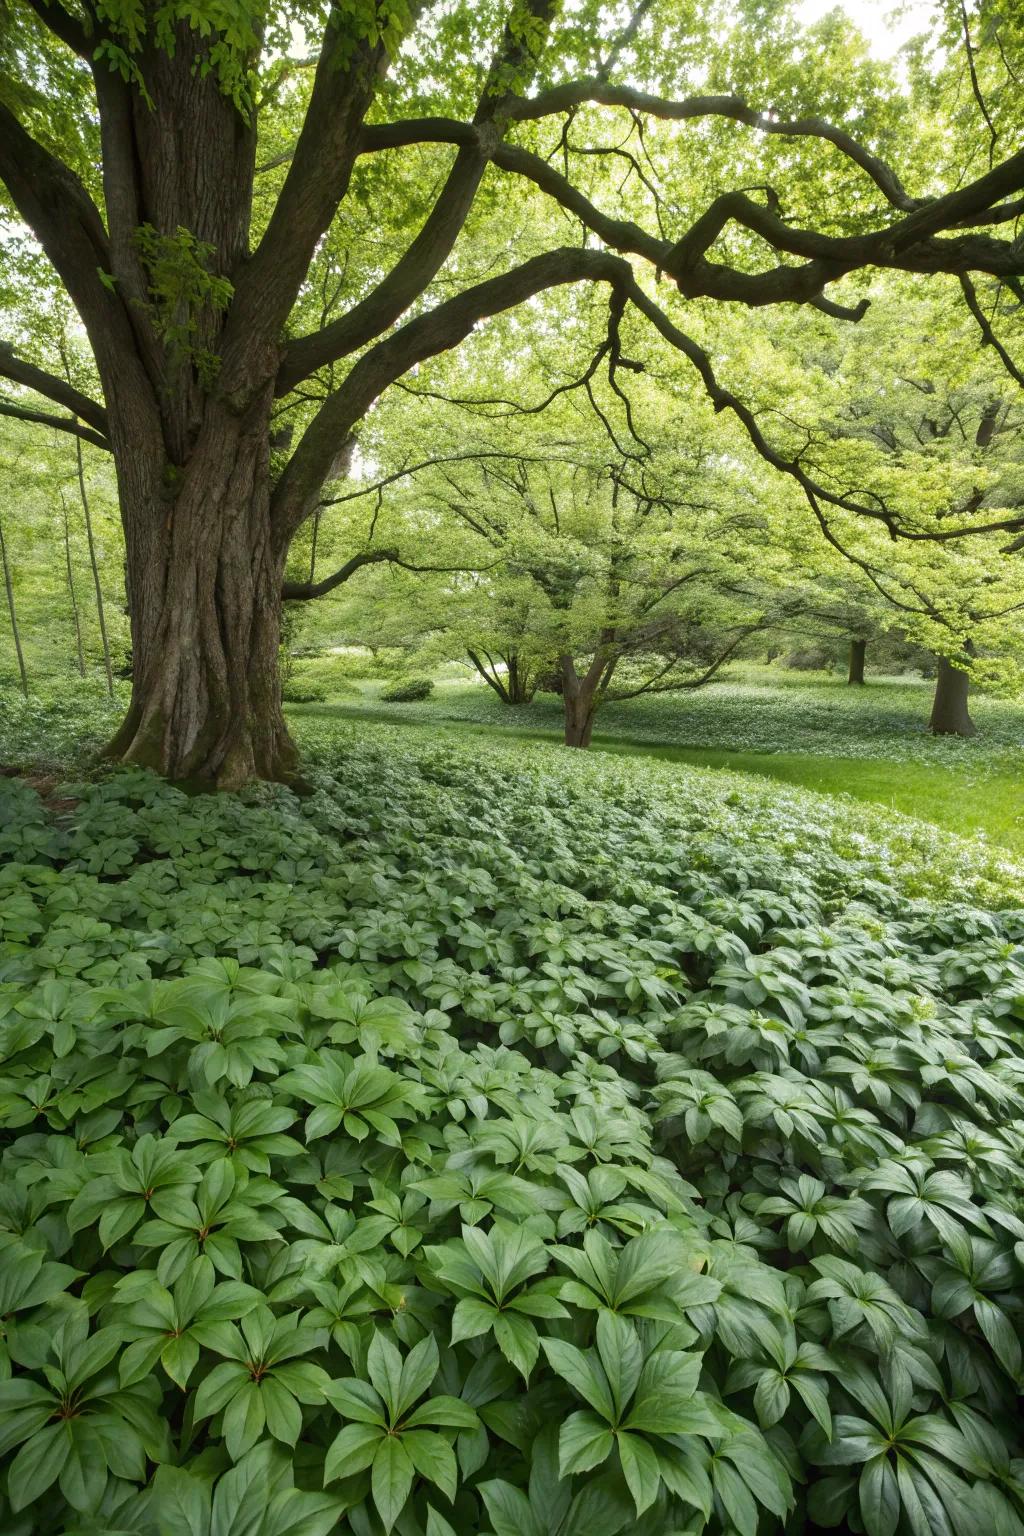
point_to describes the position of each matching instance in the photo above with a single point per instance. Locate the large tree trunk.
(519, 681)
(950, 714)
(204, 589)
(581, 696)
(515, 686)
(579, 721)
(858, 651)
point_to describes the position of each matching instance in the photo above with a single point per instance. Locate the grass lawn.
(992, 805)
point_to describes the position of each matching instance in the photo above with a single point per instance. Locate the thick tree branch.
(436, 331)
(988, 335)
(57, 208)
(909, 245)
(416, 130)
(65, 26)
(420, 263)
(492, 679)
(655, 685)
(59, 390)
(63, 217)
(410, 469)
(302, 591)
(47, 419)
(318, 176)
(407, 279)
(865, 504)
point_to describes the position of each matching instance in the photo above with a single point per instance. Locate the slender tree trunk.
(490, 676)
(95, 568)
(312, 546)
(950, 713)
(204, 589)
(9, 585)
(858, 651)
(520, 687)
(79, 649)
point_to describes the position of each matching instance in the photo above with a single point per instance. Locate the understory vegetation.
(511, 842)
(759, 709)
(499, 1139)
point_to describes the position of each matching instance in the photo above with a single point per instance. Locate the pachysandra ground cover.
(494, 1142)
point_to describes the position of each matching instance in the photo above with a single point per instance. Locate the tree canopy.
(266, 218)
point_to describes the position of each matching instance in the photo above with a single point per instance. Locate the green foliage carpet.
(805, 729)
(755, 710)
(504, 1140)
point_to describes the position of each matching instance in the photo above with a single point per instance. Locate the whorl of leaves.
(491, 1144)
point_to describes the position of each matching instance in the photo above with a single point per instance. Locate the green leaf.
(38, 1465)
(735, 1497)
(352, 1450)
(355, 1399)
(183, 1501)
(433, 1459)
(448, 1412)
(583, 1373)
(283, 1414)
(517, 1339)
(879, 1498)
(471, 1318)
(584, 1442)
(509, 1510)
(771, 1397)
(391, 1479)
(640, 1469)
(244, 1419)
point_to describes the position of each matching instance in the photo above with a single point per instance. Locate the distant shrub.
(410, 690)
(810, 658)
(304, 690)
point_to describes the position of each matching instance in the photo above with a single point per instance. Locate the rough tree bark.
(204, 578)
(950, 714)
(579, 721)
(581, 696)
(858, 652)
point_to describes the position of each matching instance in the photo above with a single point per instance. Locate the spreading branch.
(20, 371)
(65, 26)
(576, 93)
(303, 591)
(436, 331)
(48, 419)
(988, 335)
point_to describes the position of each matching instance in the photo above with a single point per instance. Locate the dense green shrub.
(409, 690)
(498, 1142)
(300, 689)
(59, 725)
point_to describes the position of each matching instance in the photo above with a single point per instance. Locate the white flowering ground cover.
(774, 712)
(501, 1140)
